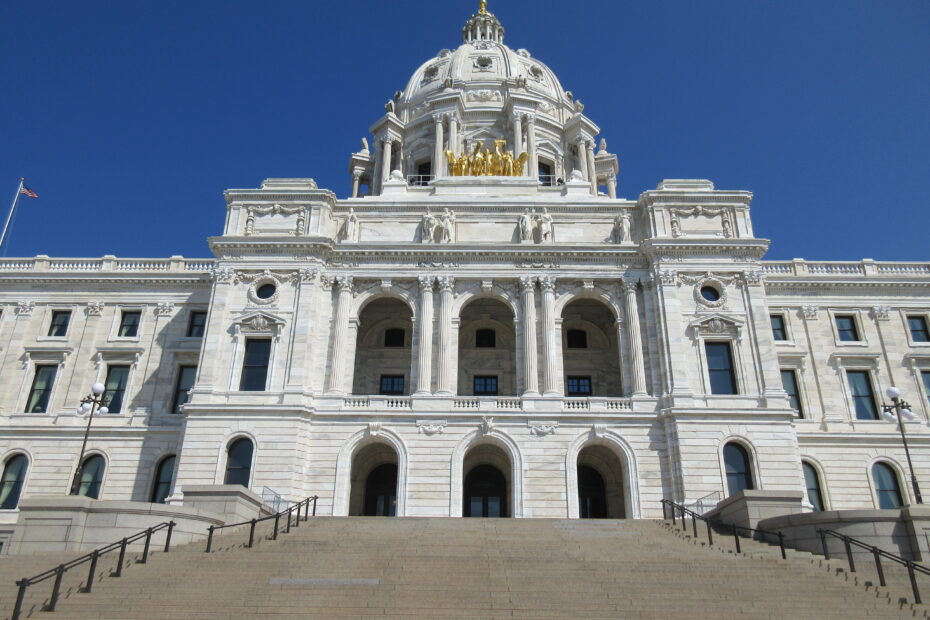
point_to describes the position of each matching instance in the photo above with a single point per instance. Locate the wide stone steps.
(466, 568)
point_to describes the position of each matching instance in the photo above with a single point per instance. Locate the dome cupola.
(483, 26)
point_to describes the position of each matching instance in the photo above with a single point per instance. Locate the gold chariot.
(498, 163)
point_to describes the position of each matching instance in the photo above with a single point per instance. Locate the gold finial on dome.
(482, 7)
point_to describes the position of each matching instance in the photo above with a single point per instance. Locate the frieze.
(164, 308)
(95, 308)
(25, 308)
(431, 427)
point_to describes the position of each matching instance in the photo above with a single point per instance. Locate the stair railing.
(291, 511)
(59, 571)
(877, 554)
(668, 506)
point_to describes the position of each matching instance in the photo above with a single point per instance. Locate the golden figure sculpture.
(498, 162)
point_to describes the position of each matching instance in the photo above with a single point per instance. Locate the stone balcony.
(450, 404)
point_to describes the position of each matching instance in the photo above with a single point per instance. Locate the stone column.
(439, 166)
(592, 173)
(453, 134)
(530, 374)
(636, 342)
(340, 334)
(580, 162)
(425, 324)
(517, 134)
(356, 176)
(550, 370)
(447, 350)
(376, 169)
(612, 185)
(385, 160)
(533, 163)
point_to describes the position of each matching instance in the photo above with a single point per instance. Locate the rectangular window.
(918, 327)
(129, 324)
(255, 365)
(196, 324)
(720, 368)
(925, 375)
(392, 385)
(59, 324)
(578, 386)
(846, 328)
(41, 389)
(789, 379)
(778, 327)
(185, 382)
(117, 378)
(485, 386)
(860, 385)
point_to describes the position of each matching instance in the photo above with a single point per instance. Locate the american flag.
(25, 191)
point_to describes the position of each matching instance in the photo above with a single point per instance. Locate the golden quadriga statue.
(498, 163)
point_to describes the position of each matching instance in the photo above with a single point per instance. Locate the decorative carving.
(438, 265)
(344, 283)
(483, 96)
(447, 226)
(307, 274)
(526, 224)
(431, 427)
(327, 281)
(164, 308)
(697, 211)
(622, 227)
(374, 428)
(527, 283)
(754, 276)
(598, 430)
(810, 311)
(350, 227)
(258, 323)
(426, 283)
(727, 227)
(446, 283)
(676, 227)
(545, 227)
(95, 308)
(547, 283)
(25, 308)
(486, 426)
(428, 227)
(667, 276)
(276, 209)
(526, 264)
(500, 162)
(541, 429)
(881, 313)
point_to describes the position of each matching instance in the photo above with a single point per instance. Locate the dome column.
(592, 174)
(533, 164)
(438, 167)
(386, 144)
(517, 134)
(453, 133)
(581, 165)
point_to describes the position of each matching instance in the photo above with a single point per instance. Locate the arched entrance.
(600, 484)
(487, 488)
(487, 349)
(590, 351)
(382, 352)
(374, 482)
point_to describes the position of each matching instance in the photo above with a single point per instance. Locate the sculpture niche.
(497, 163)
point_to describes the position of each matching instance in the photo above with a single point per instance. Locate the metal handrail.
(668, 504)
(877, 554)
(304, 503)
(92, 557)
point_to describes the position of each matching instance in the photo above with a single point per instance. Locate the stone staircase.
(466, 568)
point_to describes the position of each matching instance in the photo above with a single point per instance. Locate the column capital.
(628, 286)
(518, 117)
(426, 283)
(387, 139)
(356, 174)
(530, 118)
(438, 117)
(446, 283)
(344, 283)
(527, 283)
(547, 283)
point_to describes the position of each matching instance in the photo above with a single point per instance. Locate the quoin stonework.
(481, 328)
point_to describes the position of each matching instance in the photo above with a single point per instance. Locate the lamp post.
(902, 411)
(90, 404)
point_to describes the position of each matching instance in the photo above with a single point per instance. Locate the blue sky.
(131, 118)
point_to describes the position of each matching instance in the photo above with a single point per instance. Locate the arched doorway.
(487, 349)
(374, 482)
(738, 468)
(487, 487)
(382, 352)
(590, 351)
(601, 484)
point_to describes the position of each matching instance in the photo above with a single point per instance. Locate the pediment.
(259, 322)
(716, 323)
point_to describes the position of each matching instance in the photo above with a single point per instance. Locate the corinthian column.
(425, 322)
(446, 349)
(453, 134)
(592, 173)
(635, 338)
(550, 375)
(532, 163)
(386, 160)
(580, 161)
(517, 134)
(439, 166)
(340, 335)
(528, 294)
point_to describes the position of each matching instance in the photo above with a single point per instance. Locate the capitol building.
(483, 326)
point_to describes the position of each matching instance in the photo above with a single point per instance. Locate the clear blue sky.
(131, 118)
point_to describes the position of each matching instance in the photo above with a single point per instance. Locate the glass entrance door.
(485, 492)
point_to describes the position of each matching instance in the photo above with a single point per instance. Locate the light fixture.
(92, 404)
(897, 412)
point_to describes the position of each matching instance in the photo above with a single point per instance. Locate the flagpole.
(12, 209)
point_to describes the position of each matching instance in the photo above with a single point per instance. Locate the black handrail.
(92, 557)
(877, 554)
(668, 504)
(304, 503)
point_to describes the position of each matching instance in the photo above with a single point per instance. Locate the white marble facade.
(437, 260)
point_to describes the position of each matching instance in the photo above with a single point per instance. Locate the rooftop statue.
(482, 163)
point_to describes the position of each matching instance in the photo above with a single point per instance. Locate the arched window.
(239, 462)
(738, 467)
(887, 487)
(812, 482)
(163, 475)
(11, 485)
(485, 338)
(92, 476)
(576, 339)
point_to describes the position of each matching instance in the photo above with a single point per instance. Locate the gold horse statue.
(484, 162)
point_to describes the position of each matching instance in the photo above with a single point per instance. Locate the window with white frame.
(58, 326)
(789, 380)
(42, 383)
(129, 324)
(720, 367)
(847, 330)
(918, 329)
(115, 384)
(863, 396)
